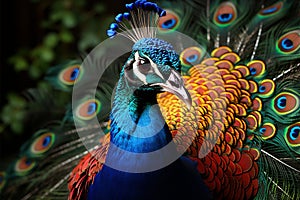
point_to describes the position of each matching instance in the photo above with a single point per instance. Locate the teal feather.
(65, 75)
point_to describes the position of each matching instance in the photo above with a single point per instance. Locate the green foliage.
(69, 29)
(70, 26)
(13, 113)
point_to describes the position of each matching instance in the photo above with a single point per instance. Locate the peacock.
(184, 100)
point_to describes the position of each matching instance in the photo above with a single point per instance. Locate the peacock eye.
(143, 61)
(88, 109)
(43, 143)
(295, 131)
(268, 130)
(292, 135)
(74, 74)
(281, 103)
(144, 65)
(225, 14)
(24, 165)
(271, 9)
(289, 42)
(70, 75)
(170, 22)
(225, 17)
(266, 88)
(285, 103)
(191, 56)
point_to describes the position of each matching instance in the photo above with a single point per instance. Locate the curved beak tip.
(188, 103)
(175, 85)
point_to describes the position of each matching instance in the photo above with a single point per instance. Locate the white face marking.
(139, 74)
(136, 70)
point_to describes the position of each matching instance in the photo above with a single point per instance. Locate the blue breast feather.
(180, 180)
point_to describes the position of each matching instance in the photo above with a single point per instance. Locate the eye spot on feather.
(262, 130)
(287, 43)
(285, 103)
(290, 42)
(70, 75)
(295, 132)
(88, 109)
(225, 17)
(170, 22)
(191, 56)
(266, 88)
(24, 165)
(268, 130)
(91, 108)
(46, 141)
(281, 103)
(43, 143)
(74, 74)
(257, 68)
(252, 71)
(262, 89)
(292, 135)
(225, 14)
(273, 9)
(269, 10)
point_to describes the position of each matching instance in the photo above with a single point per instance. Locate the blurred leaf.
(51, 40)
(47, 54)
(90, 40)
(5, 115)
(56, 16)
(16, 101)
(99, 8)
(43, 85)
(80, 2)
(19, 63)
(2, 128)
(34, 72)
(69, 19)
(13, 113)
(63, 23)
(17, 128)
(66, 36)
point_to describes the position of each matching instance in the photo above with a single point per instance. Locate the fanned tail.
(62, 136)
(266, 36)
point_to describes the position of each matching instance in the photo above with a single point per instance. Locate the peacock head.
(154, 67)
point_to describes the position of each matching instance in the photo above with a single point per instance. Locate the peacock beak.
(175, 85)
(151, 74)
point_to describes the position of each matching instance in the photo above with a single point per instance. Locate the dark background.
(20, 27)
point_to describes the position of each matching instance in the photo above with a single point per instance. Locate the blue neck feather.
(132, 120)
(138, 127)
